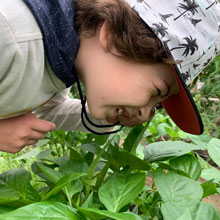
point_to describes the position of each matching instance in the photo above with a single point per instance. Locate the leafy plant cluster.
(208, 96)
(113, 177)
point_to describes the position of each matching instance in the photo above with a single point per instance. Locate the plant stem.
(68, 197)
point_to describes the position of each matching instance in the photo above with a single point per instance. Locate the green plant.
(207, 97)
(102, 178)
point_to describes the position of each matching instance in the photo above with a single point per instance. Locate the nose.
(144, 114)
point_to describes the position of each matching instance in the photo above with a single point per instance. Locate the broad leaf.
(209, 189)
(214, 150)
(121, 189)
(185, 215)
(5, 209)
(44, 211)
(52, 174)
(95, 149)
(63, 182)
(200, 140)
(165, 149)
(188, 164)
(15, 185)
(28, 155)
(69, 166)
(89, 202)
(194, 210)
(96, 214)
(123, 158)
(211, 173)
(44, 155)
(174, 187)
(42, 142)
(74, 187)
(134, 138)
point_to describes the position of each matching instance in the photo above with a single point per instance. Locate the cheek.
(95, 103)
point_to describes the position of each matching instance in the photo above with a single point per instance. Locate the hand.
(23, 130)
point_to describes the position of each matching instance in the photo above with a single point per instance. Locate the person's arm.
(65, 112)
(23, 130)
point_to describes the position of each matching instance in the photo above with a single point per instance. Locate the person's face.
(120, 90)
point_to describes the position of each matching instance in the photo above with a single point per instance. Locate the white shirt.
(27, 82)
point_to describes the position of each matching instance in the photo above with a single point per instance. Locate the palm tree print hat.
(190, 33)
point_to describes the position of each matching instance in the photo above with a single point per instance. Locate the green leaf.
(75, 156)
(96, 214)
(203, 163)
(200, 140)
(165, 149)
(68, 166)
(89, 202)
(44, 211)
(95, 149)
(134, 138)
(92, 167)
(96, 139)
(188, 164)
(174, 187)
(5, 209)
(121, 189)
(193, 209)
(62, 182)
(61, 198)
(210, 174)
(214, 150)
(28, 155)
(42, 142)
(161, 128)
(52, 174)
(124, 158)
(15, 185)
(209, 189)
(44, 155)
(74, 187)
(186, 215)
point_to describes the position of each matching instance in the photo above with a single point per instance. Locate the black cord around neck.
(83, 112)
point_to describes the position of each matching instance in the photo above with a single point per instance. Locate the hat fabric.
(190, 33)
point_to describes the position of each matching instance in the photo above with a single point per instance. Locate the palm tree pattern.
(188, 6)
(189, 46)
(189, 30)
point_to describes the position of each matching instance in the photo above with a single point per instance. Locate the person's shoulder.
(17, 21)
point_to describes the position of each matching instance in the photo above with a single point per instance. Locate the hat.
(190, 33)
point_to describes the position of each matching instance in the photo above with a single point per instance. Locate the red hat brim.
(182, 108)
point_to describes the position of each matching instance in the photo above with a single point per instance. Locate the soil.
(214, 199)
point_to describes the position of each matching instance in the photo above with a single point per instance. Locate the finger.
(16, 148)
(31, 142)
(37, 135)
(42, 125)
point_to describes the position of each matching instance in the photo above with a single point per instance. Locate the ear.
(105, 37)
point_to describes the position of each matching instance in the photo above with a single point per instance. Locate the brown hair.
(131, 37)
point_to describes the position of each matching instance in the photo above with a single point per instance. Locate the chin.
(96, 114)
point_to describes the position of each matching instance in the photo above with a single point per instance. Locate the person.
(130, 55)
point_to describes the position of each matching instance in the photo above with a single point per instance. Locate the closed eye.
(159, 93)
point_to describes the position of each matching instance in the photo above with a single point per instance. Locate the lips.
(127, 118)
